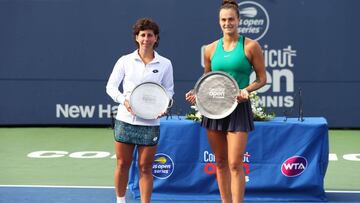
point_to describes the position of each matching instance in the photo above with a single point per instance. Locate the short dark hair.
(146, 24)
(230, 4)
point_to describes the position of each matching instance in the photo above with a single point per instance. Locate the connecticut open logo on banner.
(210, 164)
(163, 166)
(294, 166)
(254, 20)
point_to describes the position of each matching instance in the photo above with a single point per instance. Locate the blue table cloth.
(284, 161)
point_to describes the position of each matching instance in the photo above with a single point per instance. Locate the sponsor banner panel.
(302, 52)
(284, 161)
(55, 103)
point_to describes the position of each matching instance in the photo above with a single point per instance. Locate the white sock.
(120, 199)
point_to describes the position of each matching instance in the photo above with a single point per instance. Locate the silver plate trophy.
(216, 94)
(148, 100)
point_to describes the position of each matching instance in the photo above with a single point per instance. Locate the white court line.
(60, 186)
(112, 187)
(342, 191)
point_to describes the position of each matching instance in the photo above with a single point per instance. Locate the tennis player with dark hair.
(238, 56)
(144, 64)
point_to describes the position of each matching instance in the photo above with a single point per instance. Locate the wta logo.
(294, 166)
(254, 20)
(163, 166)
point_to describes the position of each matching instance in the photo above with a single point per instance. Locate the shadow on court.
(104, 195)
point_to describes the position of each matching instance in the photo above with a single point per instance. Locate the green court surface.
(75, 146)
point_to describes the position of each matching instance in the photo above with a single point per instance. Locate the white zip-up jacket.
(130, 70)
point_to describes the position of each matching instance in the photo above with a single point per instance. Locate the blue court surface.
(46, 194)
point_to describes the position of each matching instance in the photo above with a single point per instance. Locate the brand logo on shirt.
(254, 20)
(155, 71)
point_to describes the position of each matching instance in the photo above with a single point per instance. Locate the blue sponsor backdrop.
(56, 55)
(284, 161)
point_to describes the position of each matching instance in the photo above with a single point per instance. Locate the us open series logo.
(163, 166)
(254, 20)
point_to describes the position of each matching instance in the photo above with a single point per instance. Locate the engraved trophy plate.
(148, 100)
(216, 94)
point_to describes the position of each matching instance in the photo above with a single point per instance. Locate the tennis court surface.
(70, 177)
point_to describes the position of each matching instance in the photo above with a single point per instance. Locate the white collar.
(136, 56)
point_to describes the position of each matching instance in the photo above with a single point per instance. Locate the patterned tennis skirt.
(136, 134)
(241, 119)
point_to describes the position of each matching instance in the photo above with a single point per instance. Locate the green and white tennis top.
(233, 62)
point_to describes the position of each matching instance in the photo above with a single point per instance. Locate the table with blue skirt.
(285, 160)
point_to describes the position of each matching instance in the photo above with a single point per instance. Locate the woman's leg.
(145, 162)
(218, 143)
(124, 154)
(236, 149)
